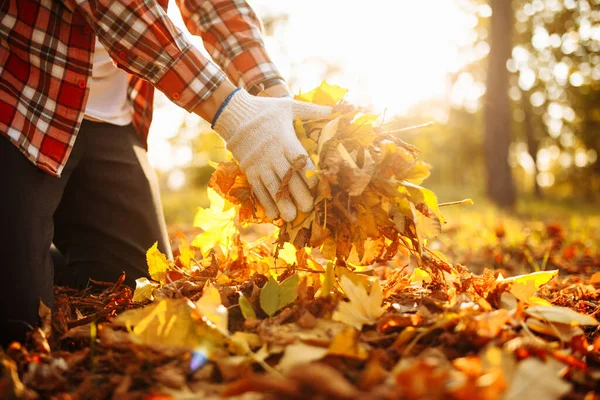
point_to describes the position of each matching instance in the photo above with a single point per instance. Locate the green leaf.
(246, 307)
(273, 297)
(287, 291)
(269, 297)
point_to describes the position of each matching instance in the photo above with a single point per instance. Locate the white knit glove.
(260, 134)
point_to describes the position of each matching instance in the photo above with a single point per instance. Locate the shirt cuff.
(252, 68)
(190, 79)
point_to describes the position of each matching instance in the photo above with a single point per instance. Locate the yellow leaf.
(157, 263)
(328, 280)
(217, 223)
(427, 228)
(420, 195)
(418, 172)
(168, 322)
(186, 252)
(288, 254)
(211, 309)
(325, 95)
(215, 216)
(243, 342)
(420, 275)
(363, 308)
(346, 344)
(538, 301)
(525, 286)
(144, 290)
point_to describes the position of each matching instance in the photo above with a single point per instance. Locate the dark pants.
(102, 214)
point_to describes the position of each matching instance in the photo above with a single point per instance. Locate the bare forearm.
(277, 91)
(208, 108)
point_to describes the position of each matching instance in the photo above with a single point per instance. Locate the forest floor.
(463, 333)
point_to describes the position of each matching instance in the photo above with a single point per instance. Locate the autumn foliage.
(346, 302)
(369, 204)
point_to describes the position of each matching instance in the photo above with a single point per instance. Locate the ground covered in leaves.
(360, 299)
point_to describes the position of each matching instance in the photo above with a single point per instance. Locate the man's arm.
(233, 36)
(143, 40)
(259, 131)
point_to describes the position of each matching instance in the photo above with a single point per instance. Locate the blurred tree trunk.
(500, 185)
(533, 143)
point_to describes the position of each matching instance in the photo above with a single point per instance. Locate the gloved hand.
(260, 134)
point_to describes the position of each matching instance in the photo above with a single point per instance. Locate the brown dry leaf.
(144, 290)
(284, 189)
(535, 379)
(318, 234)
(325, 380)
(425, 377)
(170, 376)
(564, 332)
(374, 372)
(298, 354)
(561, 315)
(489, 325)
(275, 385)
(45, 314)
(11, 386)
(327, 133)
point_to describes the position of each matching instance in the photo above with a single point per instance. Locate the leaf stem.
(409, 128)
(468, 202)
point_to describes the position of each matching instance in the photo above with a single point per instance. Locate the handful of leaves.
(368, 203)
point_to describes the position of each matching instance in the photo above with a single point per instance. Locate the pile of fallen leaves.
(346, 302)
(369, 204)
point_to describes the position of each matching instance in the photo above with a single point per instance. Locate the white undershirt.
(108, 100)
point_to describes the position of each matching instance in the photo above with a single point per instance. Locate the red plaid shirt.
(46, 53)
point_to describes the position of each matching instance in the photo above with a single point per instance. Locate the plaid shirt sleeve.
(233, 36)
(143, 40)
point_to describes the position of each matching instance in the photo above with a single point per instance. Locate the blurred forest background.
(512, 86)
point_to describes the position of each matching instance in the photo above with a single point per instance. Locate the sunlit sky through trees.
(427, 60)
(392, 55)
